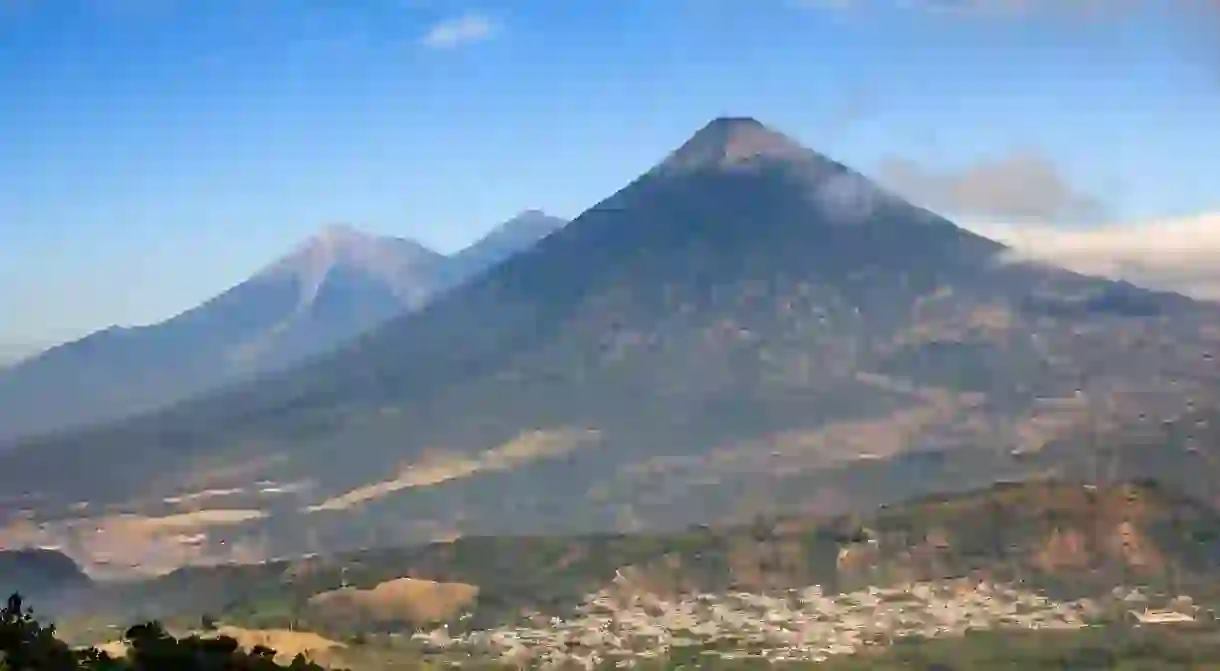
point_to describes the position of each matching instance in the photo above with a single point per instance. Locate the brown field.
(401, 599)
(529, 446)
(136, 544)
(287, 644)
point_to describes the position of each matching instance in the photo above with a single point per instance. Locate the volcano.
(747, 324)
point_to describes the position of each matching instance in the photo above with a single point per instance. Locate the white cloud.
(464, 29)
(848, 198)
(1180, 255)
(1023, 185)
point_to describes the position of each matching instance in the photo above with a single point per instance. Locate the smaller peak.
(340, 240)
(531, 213)
(338, 233)
(322, 249)
(529, 223)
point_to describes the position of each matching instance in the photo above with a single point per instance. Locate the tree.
(28, 645)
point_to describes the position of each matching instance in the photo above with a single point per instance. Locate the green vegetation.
(28, 645)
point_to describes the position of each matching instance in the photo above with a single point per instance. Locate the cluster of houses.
(624, 625)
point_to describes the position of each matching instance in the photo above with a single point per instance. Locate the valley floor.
(950, 624)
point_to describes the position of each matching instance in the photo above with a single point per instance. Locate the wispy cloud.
(1180, 255)
(998, 8)
(1020, 185)
(465, 29)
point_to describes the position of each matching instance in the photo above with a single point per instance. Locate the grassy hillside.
(44, 574)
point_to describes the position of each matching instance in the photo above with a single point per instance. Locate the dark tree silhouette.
(28, 645)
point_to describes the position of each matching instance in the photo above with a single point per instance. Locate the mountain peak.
(521, 232)
(726, 141)
(343, 244)
(339, 233)
(530, 213)
(531, 222)
(340, 245)
(735, 123)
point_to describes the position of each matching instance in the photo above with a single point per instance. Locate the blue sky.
(156, 152)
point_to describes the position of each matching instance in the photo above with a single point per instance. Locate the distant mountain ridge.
(334, 286)
(517, 234)
(748, 325)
